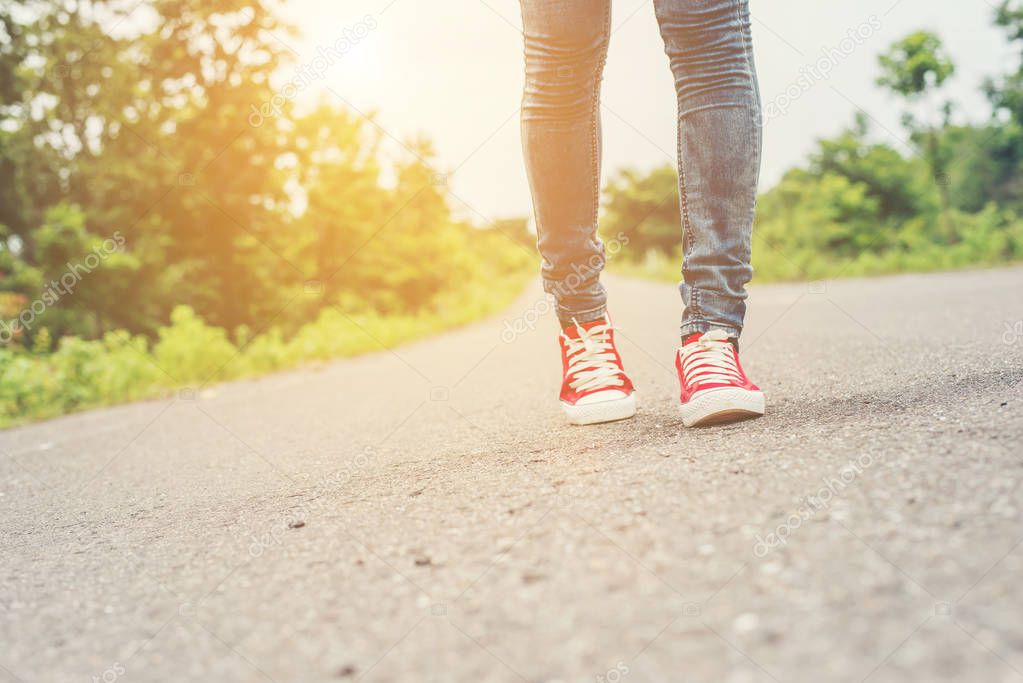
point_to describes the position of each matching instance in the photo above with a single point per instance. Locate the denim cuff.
(572, 317)
(584, 301)
(701, 326)
(706, 309)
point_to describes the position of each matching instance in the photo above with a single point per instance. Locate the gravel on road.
(424, 513)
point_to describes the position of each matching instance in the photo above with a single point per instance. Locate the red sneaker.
(594, 386)
(714, 387)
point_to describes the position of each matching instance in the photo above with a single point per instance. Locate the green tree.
(887, 176)
(916, 68)
(1007, 94)
(644, 207)
(149, 134)
(990, 157)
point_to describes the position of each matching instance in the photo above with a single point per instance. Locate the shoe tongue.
(572, 331)
(709, 335)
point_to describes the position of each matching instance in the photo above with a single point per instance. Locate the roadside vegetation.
(949, 196)
(170, 219)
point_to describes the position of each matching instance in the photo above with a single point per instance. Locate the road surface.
(424, 514)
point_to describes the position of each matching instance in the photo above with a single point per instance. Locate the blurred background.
(194, 192)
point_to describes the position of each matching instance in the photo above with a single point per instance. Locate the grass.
(188, 353)
(803, 266)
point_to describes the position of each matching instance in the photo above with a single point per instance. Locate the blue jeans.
(719, 140)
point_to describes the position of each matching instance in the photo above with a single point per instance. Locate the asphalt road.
(425, 515)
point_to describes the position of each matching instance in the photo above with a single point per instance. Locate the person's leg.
(719, 139)
(566, 43)
(565, 47)
(719, 133)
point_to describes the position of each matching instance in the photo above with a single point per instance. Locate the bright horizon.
(453, 74)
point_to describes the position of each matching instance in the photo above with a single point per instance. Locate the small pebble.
(744, 623)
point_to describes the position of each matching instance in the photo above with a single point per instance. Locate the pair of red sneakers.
(595, 388)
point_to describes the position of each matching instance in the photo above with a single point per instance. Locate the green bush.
(190, 353)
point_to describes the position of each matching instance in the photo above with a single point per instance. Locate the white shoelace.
(592, 363)
(710, 359)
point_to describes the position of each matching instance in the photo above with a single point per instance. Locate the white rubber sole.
(603, 411)
(726, 404)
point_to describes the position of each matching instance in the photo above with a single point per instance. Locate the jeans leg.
(719, 141)
(565, 48)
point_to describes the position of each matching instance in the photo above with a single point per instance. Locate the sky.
(451, 71)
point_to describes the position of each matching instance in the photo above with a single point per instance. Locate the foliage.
(914, 65)
(168, 217)
(952, 198)
(192, 354)
(183, 137)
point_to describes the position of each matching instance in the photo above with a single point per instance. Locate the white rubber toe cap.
(724, 404)
(602, 406)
